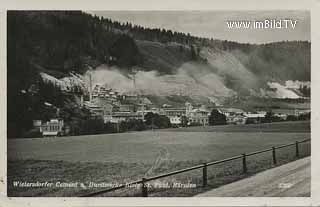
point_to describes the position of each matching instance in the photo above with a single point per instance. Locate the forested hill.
(64, 41)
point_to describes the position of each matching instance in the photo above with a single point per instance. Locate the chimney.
(81, 101)
(90, 87)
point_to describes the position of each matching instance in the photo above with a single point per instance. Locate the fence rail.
(143, 181)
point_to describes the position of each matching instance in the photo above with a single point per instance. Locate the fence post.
(274, 155)
(204, 175)
(244, 163)
(297, 149)
(144, 188)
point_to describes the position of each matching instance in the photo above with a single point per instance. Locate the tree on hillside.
(132, 125)
(157, 121)
(194, 55)
(268, 117)
(126, 52)
(217, 118)
(149, 117)
(184, 121)
(305, 91)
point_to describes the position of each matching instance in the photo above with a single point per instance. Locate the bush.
(157, 121)
(34, 133)
(306, 116)
(292, 118)
(132, 125)
(217, 118)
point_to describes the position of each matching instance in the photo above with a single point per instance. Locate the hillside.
(61, 42)
(163, 58)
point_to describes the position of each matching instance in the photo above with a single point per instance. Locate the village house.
(101, 92)
(172, 112)
(175, 120)
(236, 119)
(230, 111)
(118, 117)
(159, 111)
(281, 116)
(112, 107)
(54, 127)
(96, 111)
(126, 108)
(301, 111)
(130, 97)
(254, 117)
(197, 115)
(37, 124)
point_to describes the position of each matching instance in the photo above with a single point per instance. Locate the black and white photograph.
(144, 103)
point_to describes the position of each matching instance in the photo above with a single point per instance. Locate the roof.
(200, 110)
(174, 109)
(125, 114)
(91, 105)
(238, 116)
(228, 110)
(254, 115)
(146, 101)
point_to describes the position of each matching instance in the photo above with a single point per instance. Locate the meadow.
(129, 156)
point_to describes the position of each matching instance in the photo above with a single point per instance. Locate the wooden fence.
(143, 181)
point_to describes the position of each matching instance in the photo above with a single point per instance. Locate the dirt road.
(289, 180)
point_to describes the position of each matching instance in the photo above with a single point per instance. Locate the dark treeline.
(276, 61)
(165, 35)
(153, 34)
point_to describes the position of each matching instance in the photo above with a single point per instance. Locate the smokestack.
(81, 101)
(90, 86)
(134, 72)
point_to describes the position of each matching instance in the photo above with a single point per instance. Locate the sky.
(213, 24)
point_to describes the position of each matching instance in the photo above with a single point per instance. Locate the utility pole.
(118, 128)
(142, 112)
(134, 72)
(152, 123)
(90, 86)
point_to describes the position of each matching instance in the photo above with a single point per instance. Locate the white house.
(197, 115)
(52, 128)
(175, 120)
(254, 118)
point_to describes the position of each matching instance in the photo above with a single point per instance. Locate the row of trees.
(217, 118)
(305, 90)
(270, 117)
(97, 125)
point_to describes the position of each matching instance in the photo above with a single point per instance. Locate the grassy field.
(129, 156)
(282, 127)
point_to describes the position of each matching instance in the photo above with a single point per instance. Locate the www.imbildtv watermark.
(262, 24)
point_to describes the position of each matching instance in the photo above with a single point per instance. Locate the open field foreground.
(292, 179)
(121, 158)
(148, 146)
